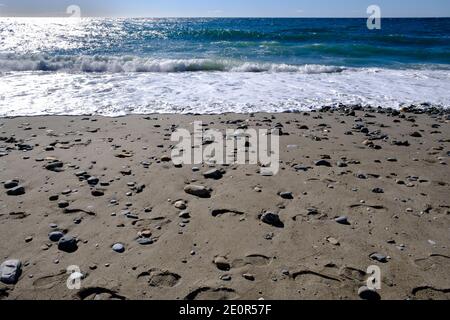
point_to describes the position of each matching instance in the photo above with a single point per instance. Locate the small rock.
(333, 241)
(377, 190)
(322, 163)
(341, 164)
(342, 220)
(184, 214)
(249, 276)
(16, 191)
(55, 166)
(213, 174)
(67, 244)
(378, 257)
(286, 195)
(222, 263)
(97, 193)
(93, 181)
(11, 184)
(143, 242)
(272, 219)
(10, 271)
(225, 277)
(199, 191)
(145, 234)
(63, 204)
(180, 204)
(118, 247)
(55, 236)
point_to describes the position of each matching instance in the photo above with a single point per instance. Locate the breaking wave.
(112, 64)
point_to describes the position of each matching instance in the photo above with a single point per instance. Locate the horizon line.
(229, 17)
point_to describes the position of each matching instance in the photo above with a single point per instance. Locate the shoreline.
(388, 176)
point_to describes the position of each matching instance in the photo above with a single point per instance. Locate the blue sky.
(227, 8)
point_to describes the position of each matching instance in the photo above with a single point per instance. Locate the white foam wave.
(102, 64)
(114, 94)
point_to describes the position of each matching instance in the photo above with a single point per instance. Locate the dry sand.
(310, 257)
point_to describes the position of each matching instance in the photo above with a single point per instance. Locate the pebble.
(10, 271)
(16, 191)
(342, 220)
(11, 184)
(63, 204)
(67, 244)
(222, 263)
(249, 276)
(93, 181)
(143, 241)
(55, 236)
(180, 204)
(272, 218)
(378, 257)
(225, 277)
(286, 195)
(333, 241)
(97, 193)
(377, 190)
(199, 191)
(341, 164)
(213, 174)
(184, 214)
(118, 247)
(322, 163)
(55, 166)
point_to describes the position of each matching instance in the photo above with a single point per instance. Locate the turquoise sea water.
(116, 66)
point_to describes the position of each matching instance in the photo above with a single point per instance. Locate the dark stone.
(93, 181)
(55, 236)
(16, 191)
(67, 244)
(11, 184)
(322, 163)
(272, 218)
(199, 191)
(97, 193)
(342, 220)
(286, 195)
(213, 174)
(55, 166)
(377, 190)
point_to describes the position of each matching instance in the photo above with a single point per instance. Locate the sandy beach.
(356, 187)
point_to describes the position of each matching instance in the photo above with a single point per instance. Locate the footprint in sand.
(208, 293)
(98, 293)
(48, 282)
(160, 278)
(257, 260)
(429, 292)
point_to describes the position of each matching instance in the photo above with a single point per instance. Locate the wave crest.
(103, 64)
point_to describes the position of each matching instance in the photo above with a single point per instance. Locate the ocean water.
(122, 66)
